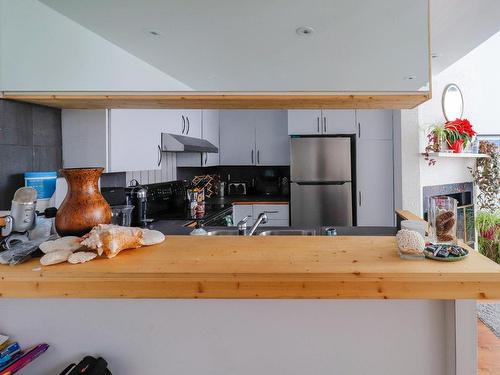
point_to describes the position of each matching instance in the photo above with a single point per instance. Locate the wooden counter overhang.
(181, 100)
(258, 267)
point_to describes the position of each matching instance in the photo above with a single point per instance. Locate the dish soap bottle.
(198, 230)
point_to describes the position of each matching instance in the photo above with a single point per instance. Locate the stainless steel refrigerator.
(321, 184)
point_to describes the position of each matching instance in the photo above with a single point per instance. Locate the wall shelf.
(452, 155)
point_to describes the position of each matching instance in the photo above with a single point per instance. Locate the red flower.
(462, 126)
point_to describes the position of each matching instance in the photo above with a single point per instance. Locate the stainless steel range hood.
(181, 143)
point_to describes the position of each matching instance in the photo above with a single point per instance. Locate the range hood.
(181, 143)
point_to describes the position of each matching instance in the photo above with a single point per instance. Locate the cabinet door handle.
(359, 198)
(324, 124)
(359, 130)
(252, 156)
(317, 121)
(189, 125)
(258, 156)
(183, 124)
(160, 155)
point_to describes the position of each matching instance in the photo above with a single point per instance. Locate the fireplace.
(464, 194)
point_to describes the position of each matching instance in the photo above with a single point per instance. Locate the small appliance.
(21, 217)
(137, 196)
(237, 188)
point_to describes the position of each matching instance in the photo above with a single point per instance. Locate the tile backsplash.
(30, 140)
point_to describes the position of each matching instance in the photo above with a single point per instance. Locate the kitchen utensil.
(122, 215)
(84, 207)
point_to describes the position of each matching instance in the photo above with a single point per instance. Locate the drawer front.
(280, 214)
(242, 210)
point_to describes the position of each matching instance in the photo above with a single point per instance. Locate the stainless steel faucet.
(261, 219)
(242, 226)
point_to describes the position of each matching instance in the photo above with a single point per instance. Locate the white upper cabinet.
(210, 126)
(321, 122)
(272, 144)
(134, 139)
(192, 119)
(254, 137)
(209, 131)
(122, 139)
(237, 137)
(304, 121)
(374, 124)
(338, 121)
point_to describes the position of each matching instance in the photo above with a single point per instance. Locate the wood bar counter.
(259, 267)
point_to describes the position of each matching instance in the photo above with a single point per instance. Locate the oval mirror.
(452, 102)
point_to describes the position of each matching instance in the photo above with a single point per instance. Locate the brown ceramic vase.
(84, 206)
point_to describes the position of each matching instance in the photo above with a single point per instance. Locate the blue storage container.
(43, 182)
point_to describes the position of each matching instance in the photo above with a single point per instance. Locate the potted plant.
(486, 176)
(458, 133)
(488, 227)
(436, 139)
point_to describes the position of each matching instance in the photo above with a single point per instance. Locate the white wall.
(244, 337)
(478, 76)
(44, 50)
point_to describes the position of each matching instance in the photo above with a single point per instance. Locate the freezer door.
(320, 159)
(318, 205)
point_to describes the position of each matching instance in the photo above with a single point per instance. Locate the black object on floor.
(88, 366)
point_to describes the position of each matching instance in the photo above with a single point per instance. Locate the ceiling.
(241, 45)
(458, 26)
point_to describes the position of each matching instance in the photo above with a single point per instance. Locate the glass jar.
(443, 220)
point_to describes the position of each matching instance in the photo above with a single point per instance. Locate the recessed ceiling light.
(304, 31)
(152, 32)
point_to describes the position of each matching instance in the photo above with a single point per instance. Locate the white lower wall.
(244, 337)
(168, 172)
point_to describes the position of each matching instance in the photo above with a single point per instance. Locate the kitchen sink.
(223, 232)
(288, 232)
(273, 232)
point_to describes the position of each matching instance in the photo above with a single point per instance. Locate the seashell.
(410, 242)
(81, 257)
(152, 237)
(70, 243)
(55, 257)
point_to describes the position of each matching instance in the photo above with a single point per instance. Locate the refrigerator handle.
(317, 121)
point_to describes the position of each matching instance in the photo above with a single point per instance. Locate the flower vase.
(83, 207)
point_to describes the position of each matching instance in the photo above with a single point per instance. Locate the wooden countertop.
(258, 267)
